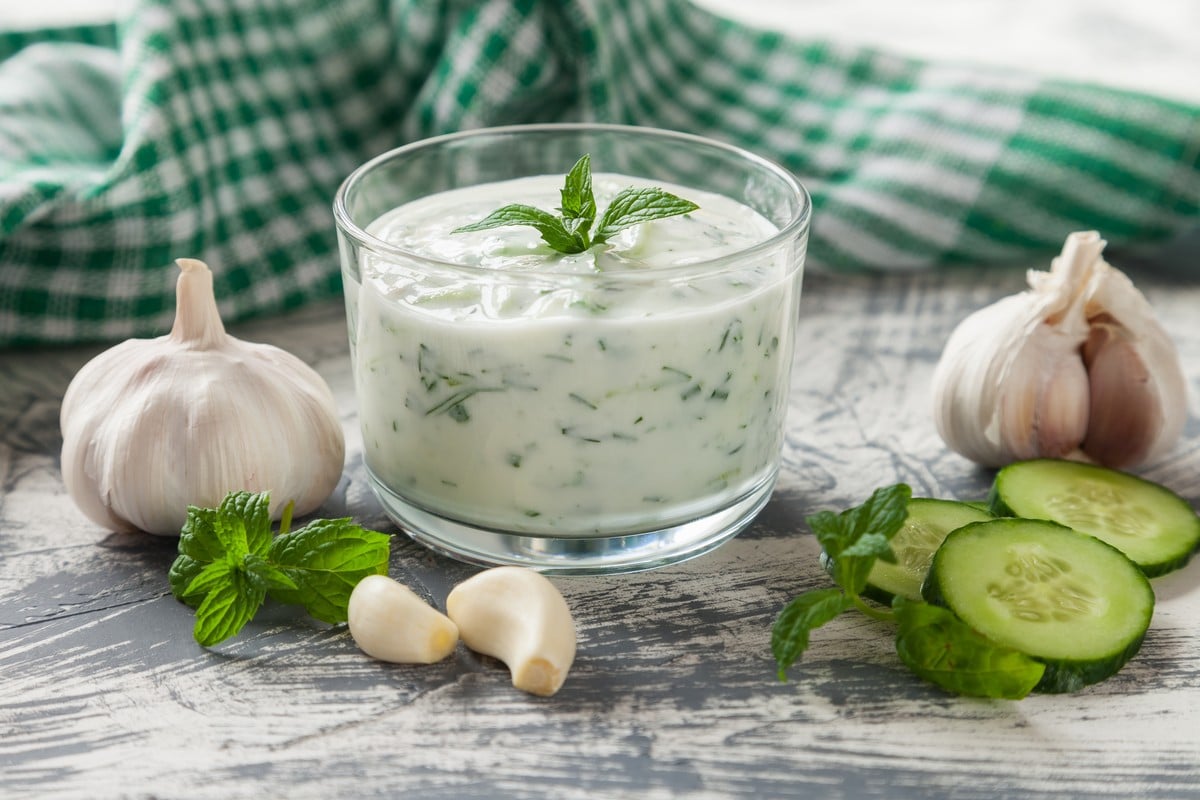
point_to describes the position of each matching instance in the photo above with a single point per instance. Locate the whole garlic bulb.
(1076, 367)
(151, 426)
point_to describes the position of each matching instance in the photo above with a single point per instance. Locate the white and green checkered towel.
(220, 129)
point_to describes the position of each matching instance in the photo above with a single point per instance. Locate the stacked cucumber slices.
(1054, 566)
(1066, 599)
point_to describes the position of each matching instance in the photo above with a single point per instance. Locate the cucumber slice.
(924, 528)
(1152, 525)
(1066, 599)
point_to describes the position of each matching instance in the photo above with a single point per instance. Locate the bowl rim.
(790, 231)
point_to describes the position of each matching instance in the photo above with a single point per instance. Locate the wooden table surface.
(103, 692)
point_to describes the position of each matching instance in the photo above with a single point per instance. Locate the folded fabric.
(221, 130)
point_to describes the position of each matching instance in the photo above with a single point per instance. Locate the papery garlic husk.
(1076, 367)
(152, 426)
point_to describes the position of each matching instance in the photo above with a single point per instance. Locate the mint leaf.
(265, 575)
(872, 545)
(789, 635)
(636, 206)
(228, 597)
(858, 536)
(578, 203)
(248, 516)
(228, 562)
(241, 524)
(883, 513)
(944, 650)
(198, 538)
(553, 229)
(569, 233)
(326, 559)
(209, 576)
(231, 602)
(183, 571)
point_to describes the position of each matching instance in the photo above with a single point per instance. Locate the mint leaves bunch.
(229, 562)
(930, 640)
(570, 231)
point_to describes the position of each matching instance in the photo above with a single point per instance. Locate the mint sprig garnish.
(571, 230)
(931, 641)
(230, 561)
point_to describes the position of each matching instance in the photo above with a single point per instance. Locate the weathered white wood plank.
(104, 694)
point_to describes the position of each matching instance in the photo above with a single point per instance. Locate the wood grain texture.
(103, 693)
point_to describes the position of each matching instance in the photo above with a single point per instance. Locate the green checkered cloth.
(220, 129)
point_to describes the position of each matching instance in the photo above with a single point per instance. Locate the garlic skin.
(1075, 367)
(152, 426)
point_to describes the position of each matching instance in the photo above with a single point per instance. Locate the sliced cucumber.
(1065, 598)
(1152, 525)
(924, 528)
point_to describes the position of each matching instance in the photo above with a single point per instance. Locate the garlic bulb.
(1076, 367)
(154, 425)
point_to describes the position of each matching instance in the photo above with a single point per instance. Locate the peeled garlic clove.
(1075, 367)
(388, 621)
(152, 426)
(518, 616)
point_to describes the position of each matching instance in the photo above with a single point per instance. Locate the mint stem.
(285, 520)
(874, 612)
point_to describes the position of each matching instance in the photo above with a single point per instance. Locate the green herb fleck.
(571, 230)
(732, 335)
(578, 398)
(590, 305)
(229, 562)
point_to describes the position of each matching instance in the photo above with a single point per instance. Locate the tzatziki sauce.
(615, 391)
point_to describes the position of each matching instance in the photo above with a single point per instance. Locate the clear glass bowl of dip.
(610, 411)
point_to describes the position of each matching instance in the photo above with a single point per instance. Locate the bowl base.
(575, 555)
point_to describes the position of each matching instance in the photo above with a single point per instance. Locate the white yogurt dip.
(609, 392)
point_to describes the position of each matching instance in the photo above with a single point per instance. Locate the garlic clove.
(1147, 385)
(1044, 402)
(1077, 366)
(152, 426)
(1048, 416)
(518, 616)
(388, 621)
